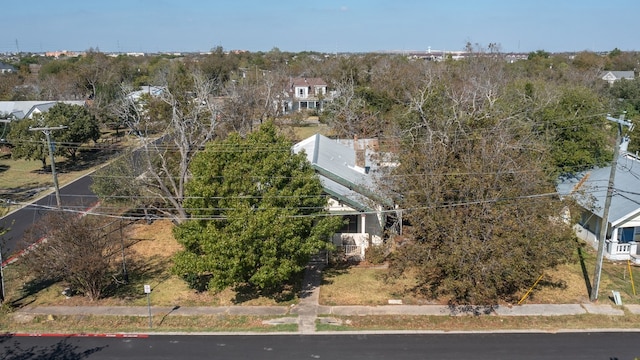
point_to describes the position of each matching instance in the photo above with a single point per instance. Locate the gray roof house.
(6, 68)
(153, 91)
(26, 109)
(613, 76)
(589, 189)
(347, 171)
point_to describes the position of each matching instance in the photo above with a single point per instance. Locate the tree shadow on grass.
(560, 284)
(86, 159)
(139, 272)
(31, 288)
(282, 293)
(335, 269)
(4, 168)
(583, 266)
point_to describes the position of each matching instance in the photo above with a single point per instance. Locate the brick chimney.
(360, 152)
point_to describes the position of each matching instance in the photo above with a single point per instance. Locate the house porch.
(616, 248)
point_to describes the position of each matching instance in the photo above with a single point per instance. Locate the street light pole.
(47, 132)
(604, 225)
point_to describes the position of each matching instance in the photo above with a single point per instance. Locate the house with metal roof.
(26, 109)
(6, 68)
(589, 189)
(613, 76)
(152, 91)
(348, 172)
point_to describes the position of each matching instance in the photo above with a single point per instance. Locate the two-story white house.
(306, 93)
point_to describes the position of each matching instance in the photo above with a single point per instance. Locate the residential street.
(76, 196)
(477, 346)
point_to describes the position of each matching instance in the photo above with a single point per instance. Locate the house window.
(301, 92)
(628, 234)
(351, 226)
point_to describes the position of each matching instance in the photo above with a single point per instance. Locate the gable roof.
(590, 189)
(305, 81)
(617, 75)
(152, 91)
(25, 109)
(6, 67)
(341, 178)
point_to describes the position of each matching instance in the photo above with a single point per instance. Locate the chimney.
(360, 152)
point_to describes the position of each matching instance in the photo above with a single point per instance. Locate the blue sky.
(319, 25)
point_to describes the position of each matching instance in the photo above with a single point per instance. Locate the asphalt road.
(565, 346)
(76, 196)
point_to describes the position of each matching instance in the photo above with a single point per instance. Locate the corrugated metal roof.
(21, 109)
(590, 189)
(336, 164)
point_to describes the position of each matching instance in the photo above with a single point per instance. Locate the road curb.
(99, 335)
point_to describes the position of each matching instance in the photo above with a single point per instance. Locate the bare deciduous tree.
(79, 251)
(171, 129)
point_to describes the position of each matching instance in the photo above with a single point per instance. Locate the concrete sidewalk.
(356, 310)
(308, 309)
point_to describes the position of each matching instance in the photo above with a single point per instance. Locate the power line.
(81, 210)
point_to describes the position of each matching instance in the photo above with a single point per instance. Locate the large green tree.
(626, 98)
(27, 144)
(82, 127)
(476, 191)
(574, 125)
(257, 214)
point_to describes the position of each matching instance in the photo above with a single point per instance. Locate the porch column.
(612, 247)
(633, 248)
(363, 223)
(613, 243)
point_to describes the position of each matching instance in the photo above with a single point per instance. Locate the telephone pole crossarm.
(621, 122)
(47, 132)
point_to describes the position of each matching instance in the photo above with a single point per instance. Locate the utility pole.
(604, 225)
(2, 290)
(47, 132)
(125, 274)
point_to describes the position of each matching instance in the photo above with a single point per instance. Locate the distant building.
(26, 109)
(613, 76)
(62, 53)
(306, 94)
(153, 91)
(6, 68)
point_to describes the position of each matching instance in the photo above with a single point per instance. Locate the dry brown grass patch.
(153, 240)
